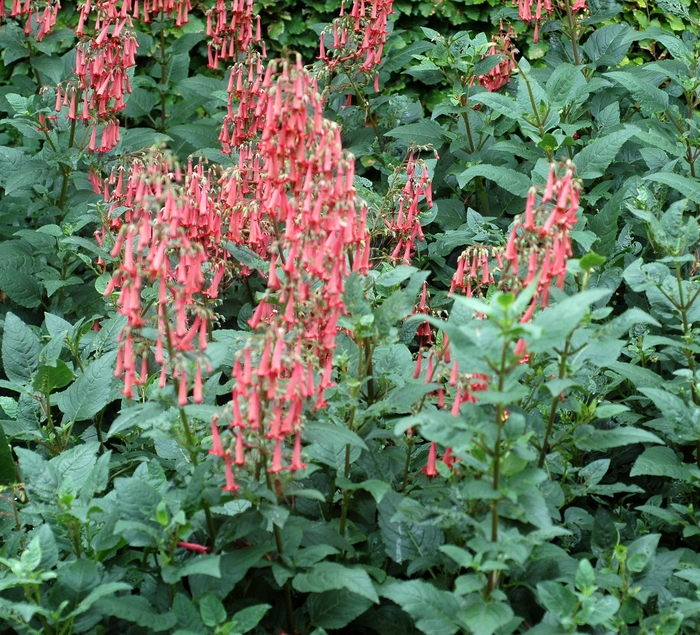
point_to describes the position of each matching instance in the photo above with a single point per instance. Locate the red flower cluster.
(233, 30)
(539, 243)
(404, 224)
(499, 75)
(41, 17)
(303, 192)
(168, 238)
(358, 38)
(542, 8)
(475, 269)
(101, 66)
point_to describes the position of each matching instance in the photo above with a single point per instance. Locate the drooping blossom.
(167, 238)
(102, 62)
(233, 29)
(404, 221)
(499, 75)
(543, 9)
(39, 16)
(475, 269)
(295, 187)
(539, 243)
(358, 39)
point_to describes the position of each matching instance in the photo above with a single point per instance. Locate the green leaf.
(49, 378)
(103, 590)
(405, 540)
(211, 610)
(604, 223)
(422, 133)
(659, 461)
(77, 463)
(21, 287)
(501, 104)
(605, 439)
(90, 392)
(396, 275)
(8, 474)
(560, 83)
(329, 576)
(247, 619)
(335, 609)
(651, 100)
(687, 187)
(137, 609)
(20, 350)
(209, 565)
(434, 612)
(594, 159)
(327, 433)
(485, 618)
(558, 321)
(585, 576)
(603, 609)
(247, 257)
(137, 415)
(608, 45)
(557, 599)
(510, 180)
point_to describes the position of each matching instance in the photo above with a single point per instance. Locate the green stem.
(280, 552)
(500, 419)
(163, 69)
(572, 32)
(411, 442)
(555, 401)
(189, 438)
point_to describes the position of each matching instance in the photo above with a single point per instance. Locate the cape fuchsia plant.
(405, 330)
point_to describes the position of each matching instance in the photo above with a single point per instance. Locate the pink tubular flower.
(404, 223)
(193, 546)
(542, 9)
(291, 200)
(499, 75)
(169, 238)
(475, 268)
(233, 30)
(430, 470)
(102, 62)
(358, 39)
(539, 243)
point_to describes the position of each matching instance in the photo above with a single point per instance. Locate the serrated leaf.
(247, 619)
(659, 461)
(20, 350)
(8, 474)
(329, 576)
(687, 187)
(502, 104)
(247, 257)
(608, 45)
(651, 99)
(594, 159)
(615, 438)
(485, 618)
(335, 609)
(50, 378)
(424, 132)
(434, 611)
(21, 287)
(91, 392)
(507, 178)
(137, 609)
(211, 610)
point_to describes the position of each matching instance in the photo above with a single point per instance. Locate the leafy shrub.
(399, 340)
